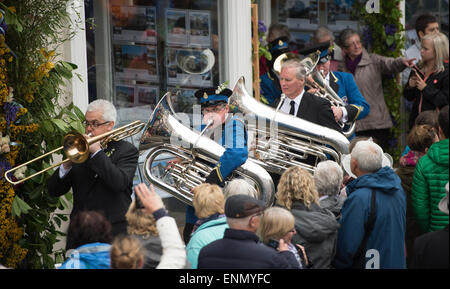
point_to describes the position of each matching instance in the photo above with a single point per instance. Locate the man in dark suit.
(103, 183)
(300, 103)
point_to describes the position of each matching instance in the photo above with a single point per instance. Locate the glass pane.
(138, 50)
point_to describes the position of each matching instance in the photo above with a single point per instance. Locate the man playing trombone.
(103, 182)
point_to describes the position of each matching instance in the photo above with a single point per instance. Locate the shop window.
(138, 50)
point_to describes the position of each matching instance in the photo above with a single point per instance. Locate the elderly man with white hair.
(373, 215)
(328, 177)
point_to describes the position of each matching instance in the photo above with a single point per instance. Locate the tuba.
(315, 80)
(282, 140)
(195, 154)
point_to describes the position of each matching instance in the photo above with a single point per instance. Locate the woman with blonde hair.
(143, 226)
(428, 82)
(209, 206)
(316, 227)
(127, 253)
(278, 223)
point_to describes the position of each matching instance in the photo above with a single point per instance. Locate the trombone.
(76, 147)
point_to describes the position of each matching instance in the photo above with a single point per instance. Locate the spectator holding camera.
(142, 226)
(427, 85)
(174, 253)
(278, 223)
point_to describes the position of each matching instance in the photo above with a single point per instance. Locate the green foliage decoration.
(383, 35)
(35, 79)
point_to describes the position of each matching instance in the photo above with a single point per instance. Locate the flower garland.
(33, 122)
(11, 253)
(383, 35)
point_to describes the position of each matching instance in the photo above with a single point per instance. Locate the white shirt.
(286, 107)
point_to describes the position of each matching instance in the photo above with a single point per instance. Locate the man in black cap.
(240, 247)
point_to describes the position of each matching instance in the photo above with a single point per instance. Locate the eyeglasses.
(94, 123)
(354, 43)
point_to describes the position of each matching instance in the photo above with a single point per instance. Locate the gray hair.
(369, 156)
(239, 187)
(344, 35)
(328, 177)
(321, 33)
(108, 109)
(300, 71)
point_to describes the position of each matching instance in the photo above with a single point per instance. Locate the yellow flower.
(10, 59)
(49, 65)
(12, 9)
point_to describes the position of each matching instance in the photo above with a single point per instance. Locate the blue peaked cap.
(212, 96)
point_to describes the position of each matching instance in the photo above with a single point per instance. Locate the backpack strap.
(360, 258)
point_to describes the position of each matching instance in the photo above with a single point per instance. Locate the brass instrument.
(76, 147)
(196, 156)
(283, 140)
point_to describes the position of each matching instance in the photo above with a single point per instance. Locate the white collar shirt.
(286, 107)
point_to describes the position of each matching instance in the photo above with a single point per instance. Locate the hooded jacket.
(430, 177)
(89, 256)
(317, 232)
(387, 237)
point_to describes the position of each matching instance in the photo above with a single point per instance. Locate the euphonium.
(282, 140)
(315, 80)
(165, 137)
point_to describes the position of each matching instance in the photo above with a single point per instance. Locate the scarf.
(352, 64)
(204, 220)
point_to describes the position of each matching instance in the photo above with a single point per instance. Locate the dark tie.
(292, 111)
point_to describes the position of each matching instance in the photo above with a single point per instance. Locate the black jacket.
(431, 250)
(242, 250)
(316, 110)
(101, 183)
(434, 95)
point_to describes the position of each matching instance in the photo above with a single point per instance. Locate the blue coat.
(388, 235)
(205, 234)
(270, 89)
(234, 140)
(349, 93)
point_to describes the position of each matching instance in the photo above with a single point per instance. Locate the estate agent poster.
(134, 23)
(135, 62)
(200, 28)
(176, 24)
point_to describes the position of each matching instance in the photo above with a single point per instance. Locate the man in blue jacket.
(227, 130)
(355, 105)
(376, 190)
